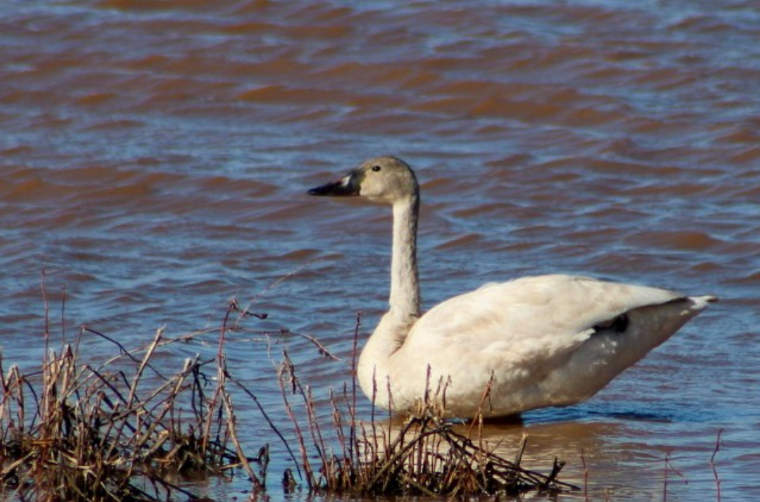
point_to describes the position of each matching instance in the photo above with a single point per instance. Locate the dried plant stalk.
(100, 433)
(427, 456)
(83, 432)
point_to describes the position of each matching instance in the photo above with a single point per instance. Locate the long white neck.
(376, 363)
(405, 289)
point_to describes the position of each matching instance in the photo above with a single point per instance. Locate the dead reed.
(425, 456)
(119, 430)
(128, 429)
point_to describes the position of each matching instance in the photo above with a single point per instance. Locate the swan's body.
(539, 341)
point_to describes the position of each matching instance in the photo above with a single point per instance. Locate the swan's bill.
(345, 187)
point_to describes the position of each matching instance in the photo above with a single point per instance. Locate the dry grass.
(76, 432)
(424, 456)
(125, 429)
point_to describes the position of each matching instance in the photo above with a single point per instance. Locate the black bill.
(346, 186)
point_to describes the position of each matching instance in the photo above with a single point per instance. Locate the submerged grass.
(125, 430)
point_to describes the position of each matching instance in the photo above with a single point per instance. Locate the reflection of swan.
(537, 341)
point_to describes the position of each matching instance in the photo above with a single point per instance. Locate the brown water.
(155, 154)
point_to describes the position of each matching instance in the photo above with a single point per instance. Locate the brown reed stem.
(287, 369)
(352, 407)
(713, 466)
(269, 422)
(46, 308)
(231, 424)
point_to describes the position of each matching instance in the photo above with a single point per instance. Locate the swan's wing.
(541, 341)
(533, 307)
(533, 322)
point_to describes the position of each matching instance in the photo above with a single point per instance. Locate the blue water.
(155, 159)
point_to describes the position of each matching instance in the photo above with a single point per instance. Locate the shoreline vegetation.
(132, 428)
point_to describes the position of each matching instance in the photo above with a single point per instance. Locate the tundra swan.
(551, 340)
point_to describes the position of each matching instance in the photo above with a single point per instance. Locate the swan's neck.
(405, 289)
(378, 370)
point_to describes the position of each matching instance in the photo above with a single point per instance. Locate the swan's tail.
(700, 302)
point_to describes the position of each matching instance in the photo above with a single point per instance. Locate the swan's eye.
(377, 169)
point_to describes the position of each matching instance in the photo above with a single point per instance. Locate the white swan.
(534, 342)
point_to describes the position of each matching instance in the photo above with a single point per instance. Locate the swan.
(506, 348)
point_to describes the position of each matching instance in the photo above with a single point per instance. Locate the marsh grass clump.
(425, 456)
(121, 430)
(131, 428)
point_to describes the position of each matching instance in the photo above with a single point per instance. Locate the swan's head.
(382, 179)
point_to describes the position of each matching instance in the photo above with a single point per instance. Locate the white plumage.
(550, 340)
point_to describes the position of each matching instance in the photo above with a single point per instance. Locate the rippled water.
(155, 154)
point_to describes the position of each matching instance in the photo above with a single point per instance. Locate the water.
(155, 155)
